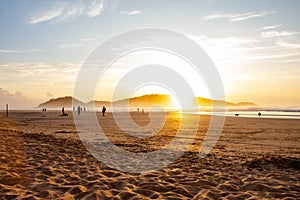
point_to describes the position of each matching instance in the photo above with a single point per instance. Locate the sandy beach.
(42, 157)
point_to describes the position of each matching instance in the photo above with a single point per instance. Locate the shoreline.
(266, 114)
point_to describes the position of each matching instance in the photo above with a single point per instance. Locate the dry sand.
(42, 157)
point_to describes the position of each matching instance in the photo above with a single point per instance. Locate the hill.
(60, 102)
(142, 101)
(146, 101)
(208, 102)
(245, 103)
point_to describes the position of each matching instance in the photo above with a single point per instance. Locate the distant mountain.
(146, 101)
(208, 102)
(142, 101)
(245, 103)
(60, 102)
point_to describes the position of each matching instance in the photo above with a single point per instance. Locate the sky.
(255, 45)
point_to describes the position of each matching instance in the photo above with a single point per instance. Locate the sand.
(42, 157)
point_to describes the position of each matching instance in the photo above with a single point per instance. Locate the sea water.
(282, 113)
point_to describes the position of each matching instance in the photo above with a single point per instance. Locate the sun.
(124, 65)
(176, 103)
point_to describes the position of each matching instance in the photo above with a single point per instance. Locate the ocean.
(282, 113)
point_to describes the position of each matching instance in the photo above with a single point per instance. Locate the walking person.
(78, 110)
(103, 111)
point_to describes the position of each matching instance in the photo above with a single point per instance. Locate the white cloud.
(224, 41)
(268, 54)
(271, 57)
(224, 50)
(270, 27)
(133, 12)
(19, 50)
(238, 17)
(16, 100)
(36, 79)
(297, 60)
(277, 34)
(65, 11)
(47, 16)
(250, 15)
(240, 50)
(288, 45)
(17, 71)
(72, 11)
(95, 8)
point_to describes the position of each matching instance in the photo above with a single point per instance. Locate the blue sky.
(254, 44)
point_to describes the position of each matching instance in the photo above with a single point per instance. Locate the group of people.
(259, 114)
(138, 109)
(79, 109)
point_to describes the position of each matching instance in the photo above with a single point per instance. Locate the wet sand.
(42, 157)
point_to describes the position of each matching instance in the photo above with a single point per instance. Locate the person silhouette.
(63, 111)
(259, 114)
(78, 110)
(103, 111)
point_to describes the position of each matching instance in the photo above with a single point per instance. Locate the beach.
(42, 157)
